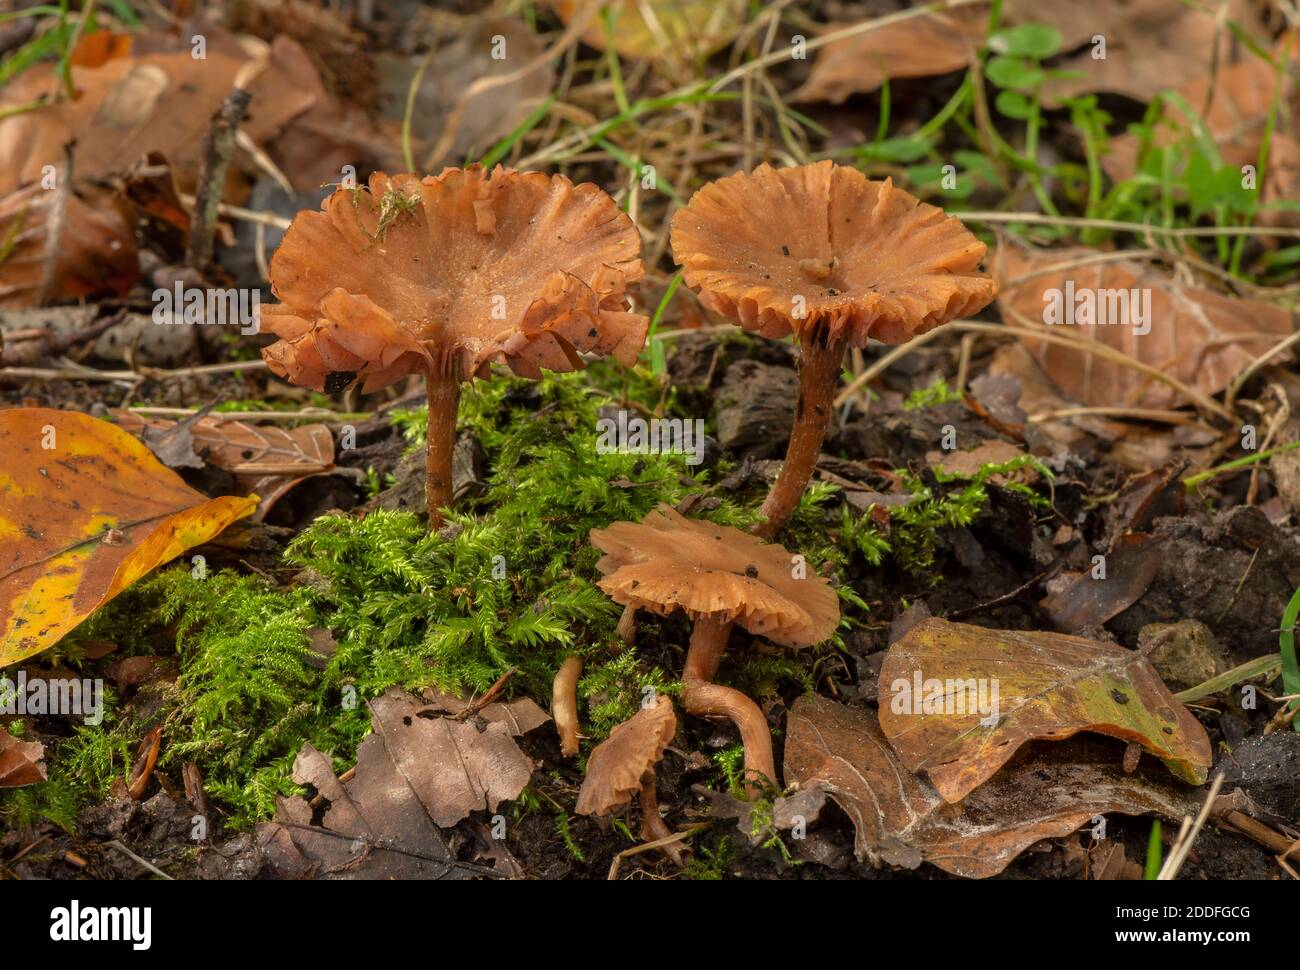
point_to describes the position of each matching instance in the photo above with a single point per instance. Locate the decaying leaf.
(653, 28)
(20, 761)
(957, 701)
(1089, 599)
(85, 511)
(1151, 45)
(454, 767)
(923, 46)
(64, 245)
(1200, 337)
(264, 459)
(422, 768)
(900, 819)
(372, 828)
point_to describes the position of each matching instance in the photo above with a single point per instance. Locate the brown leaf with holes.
(20, 761)
(1202, 338)
(454, 767)
(957, 701)
(937, 43)
(900, 819)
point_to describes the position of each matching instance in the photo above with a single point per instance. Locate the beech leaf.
(85, 511)
(984, 693)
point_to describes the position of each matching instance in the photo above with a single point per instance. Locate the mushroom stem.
(703, 698)
(653, 827)
(627, 625)
(564, 704)
(819, 369)
(444, 399)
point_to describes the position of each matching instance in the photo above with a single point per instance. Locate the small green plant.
(1154, 852)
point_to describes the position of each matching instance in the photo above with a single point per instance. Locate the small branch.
(217, 147)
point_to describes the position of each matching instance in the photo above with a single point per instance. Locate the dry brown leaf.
(454, 767)
(131, 106)
(918, 47)
(957, 701)
(1151, 45)
(899, 818)
(1200, 337)
(967, 464)
(1086, 602)
(372, 827)
(93, 254)
(20, 761)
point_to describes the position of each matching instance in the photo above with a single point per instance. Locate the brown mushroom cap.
(667, 562)
(452, 273)
(869, 260)
(617, 764)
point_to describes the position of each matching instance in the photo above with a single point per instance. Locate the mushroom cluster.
(822, 252)
(718, 576)
(445, 276)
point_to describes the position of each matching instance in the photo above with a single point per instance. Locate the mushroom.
(624, 764)
(446, 275)
(717, 575)
(564, 704)
(824, 253)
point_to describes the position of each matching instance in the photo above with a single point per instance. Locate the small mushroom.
(624, 765)
(717, 575)
(447, 275)
(824, 253)
(564, 704)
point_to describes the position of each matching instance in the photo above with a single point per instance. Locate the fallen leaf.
(20, 761)
(264, 459)
(1036, 685)
(373, 827)
(1151, 45)
(454, 767)
(1200, 337)
(967, 464)
(85, 511)
(695, 28)
(900, 819)
(131, 106)
(61, 245)
(1088, 601)
(937, 43)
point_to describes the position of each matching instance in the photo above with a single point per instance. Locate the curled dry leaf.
(652, 28)
(85, 511)
(936, 43)
(900, 819)
(821, 249)
(448, 274)
(263, 458)
(20, 761)
(957, 701)
(1200, 337)
(668, 562)
(454, 767)
(618, 764)
(60, 245)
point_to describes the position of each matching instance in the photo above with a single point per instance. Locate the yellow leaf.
(85, 511)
